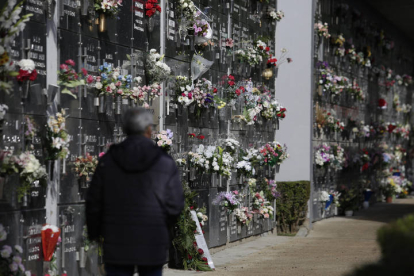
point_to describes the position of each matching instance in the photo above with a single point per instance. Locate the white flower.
(112, 86)
(56, 142)
(138, 80)
(18, 248)
(185, 5)
(27, 65)
(98, 85)
(6, 252)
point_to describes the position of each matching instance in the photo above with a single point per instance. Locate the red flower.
(231, 83)
(278, 115)
(195, 243)
(200, 251)
(70, 62)
(329, 114)
(150, 13)
(201, 137)
(365, 167)
(191, 135)
(191, 207)
(231, 77)
(215, 90)
(283, 115)
(189, 257)
(261, 47)
(204, 259)
(158, 8)
(238, 92)
(64, 67)
(84, 71)
(382, 102)
(33, 75)
(267, 49)
(242, 89)
(149, 6)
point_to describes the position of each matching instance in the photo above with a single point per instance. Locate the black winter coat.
(134, 194)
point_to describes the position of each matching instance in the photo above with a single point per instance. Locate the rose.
(70, 62)
(200, 251)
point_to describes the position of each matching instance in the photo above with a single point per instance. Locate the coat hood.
(135, 154)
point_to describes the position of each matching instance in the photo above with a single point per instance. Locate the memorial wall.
(362, 102)
(206, 70)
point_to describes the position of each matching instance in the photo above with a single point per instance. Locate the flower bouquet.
(50, 237)
(261, 47)
(229, 44)
(277, 15)
(30, 128)
(67, 77)
(231, 90)
(11, 261)
(27, 74)
(322, 30)
(323, 157)
(408, 80)
(273, 153)
(85, 166)
(243, 215)
(228, 200)
(152, 7)
(27, 166)
(57, 137)
(106, 8)
(339, 157)
(164, 139)
(201, 215)
(183, 90)
(231, 145)
(157, 70)
(249, 55)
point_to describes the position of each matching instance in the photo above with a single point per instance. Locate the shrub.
(292, 206)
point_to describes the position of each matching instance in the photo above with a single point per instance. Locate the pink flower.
(89, 79)
(98, 78)
(118, 83)
(120, 92)
(101, 154)
(64, 67)
(235, 192)
(70, 62)
(108, 89)
(84, 71)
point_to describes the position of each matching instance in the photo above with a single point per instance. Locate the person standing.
(134, 196)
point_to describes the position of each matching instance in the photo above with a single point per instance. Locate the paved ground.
(334, 247)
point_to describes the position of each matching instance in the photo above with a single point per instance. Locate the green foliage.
(350, 199)
(292, 206)
(397, 249)
(184, 240)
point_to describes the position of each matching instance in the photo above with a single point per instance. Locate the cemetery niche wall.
(206, 70)
(362, 109)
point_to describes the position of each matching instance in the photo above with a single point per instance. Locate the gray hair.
(136, 120)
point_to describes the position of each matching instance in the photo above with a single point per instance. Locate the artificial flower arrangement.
(249, 55)
(141, 94)
(231, 145)
(211, 159)
(338, 161)
(231, 90)
(203, 93)
(324, 196)
(27, 71)
(201, 27)
(183, 90)
(333, 123)
(27, 166)
(399, 80)
(152, 7)
(186, 13)
(68, 78)
(323, 156)
(11, 261)
(356, 92)
(229, 44)
(269, 188)
(108, 7)
(184, 239)
(30, 128)
(157, 70)
(261, 48)
(406, 108)
(261, 205)
(164, 139)
(273, 153)
(57, 138)
(277, 15)
(408, 80)
(85, 166)
(111, 82)
(396, 103)
(11, 24)
(322, 30)
(227, 199)
(243, 215)
(247, 160)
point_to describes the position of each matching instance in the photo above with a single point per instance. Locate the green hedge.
(292, 206)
